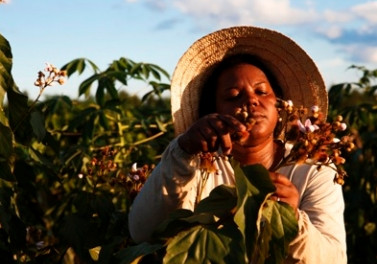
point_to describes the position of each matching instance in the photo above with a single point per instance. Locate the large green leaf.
(280, 218)
(221, 202)
(182, 219)
(253, 188)
(267, 226)
(207, 244)
(19, 116)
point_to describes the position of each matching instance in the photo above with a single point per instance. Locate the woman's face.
(245, 85)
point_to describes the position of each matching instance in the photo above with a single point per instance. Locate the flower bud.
(339, 118)
(61, 81)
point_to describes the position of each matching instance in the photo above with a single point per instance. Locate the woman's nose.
(252, 99)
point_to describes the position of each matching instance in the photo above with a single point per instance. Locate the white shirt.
(174, 183)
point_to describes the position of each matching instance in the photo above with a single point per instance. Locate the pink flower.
(307, 127)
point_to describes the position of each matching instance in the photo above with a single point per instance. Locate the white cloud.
(361, 53)
(334, 62)
(331, 32)
(332, 16)
(273, 12)
(367, 11)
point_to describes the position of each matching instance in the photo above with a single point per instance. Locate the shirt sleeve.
(321, 237)
(170, 186)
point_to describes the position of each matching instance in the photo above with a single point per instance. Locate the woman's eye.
(261, 92)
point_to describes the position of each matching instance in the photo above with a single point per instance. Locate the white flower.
(134, 167)
(315, 108)
(343, 126)
(336, 140)
(49, 67)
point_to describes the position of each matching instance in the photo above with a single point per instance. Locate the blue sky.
(336, 34)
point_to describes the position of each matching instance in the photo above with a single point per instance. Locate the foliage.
(64, 164)
(357, 102)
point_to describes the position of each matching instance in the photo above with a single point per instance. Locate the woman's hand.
(211, 132)
(286, 191)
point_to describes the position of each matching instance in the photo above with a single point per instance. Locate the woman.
(228, 71)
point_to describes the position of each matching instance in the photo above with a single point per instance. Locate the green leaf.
(100, 95)
(85, 86)
(6, 80)
(284, 227)
(38, 125)
(221, 202)
(5, 172)
(6, 145)
(253, 188)
(278, 229)
(19, 116)
(156, 68)
(206, 245)
(176, 222)
(78, 65)
(268, 226)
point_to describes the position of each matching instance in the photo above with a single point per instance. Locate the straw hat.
(294, 70)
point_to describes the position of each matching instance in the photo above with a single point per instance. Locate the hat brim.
(292, 67)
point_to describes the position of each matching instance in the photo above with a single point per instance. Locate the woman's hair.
(206, 103)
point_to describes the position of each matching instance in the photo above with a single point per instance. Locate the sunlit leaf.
(94, 253)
